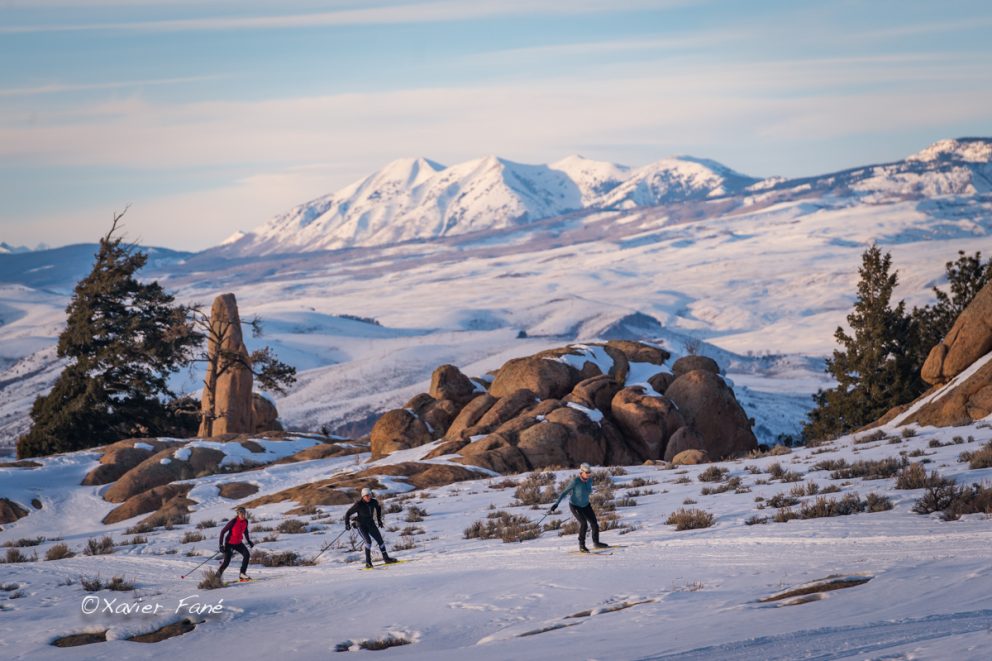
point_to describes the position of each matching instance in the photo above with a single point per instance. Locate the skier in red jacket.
(230, 541)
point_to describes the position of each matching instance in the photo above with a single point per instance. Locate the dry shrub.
(713, 474)
(206, 523)
(689, 519)
(781, 500)
(58, 552)
(878, 469)
(915, 476)
(279, 559)
(756, 520)
(641, 482)
(292, 527)
(877, 435)
(976, 499)
(383, 643)
(415, 514)
(535, 489)
(14, 555)
(101, 546)
(190, 537)
(505, 526)
(211, 580)
(981, 458)
(829, 465)
(733, 484)
(24, 542)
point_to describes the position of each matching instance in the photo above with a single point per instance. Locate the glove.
(380, 523)
(554, 508)
(221, 549)
(347, 525)
(251, 545)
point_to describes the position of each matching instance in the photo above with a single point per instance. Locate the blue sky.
(207, 117)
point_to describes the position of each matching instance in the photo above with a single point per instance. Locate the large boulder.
(960, 404)
(419, 404)
(684, 438)
(151, 500)
(264, 414)
(422, 475)
(120, 457)
(545, 377)
(506, 408)
(708, 405)
(227, 396)
(585, 442)
(594, 393)
(640, 352)
(447, 382)
(11, 511)
(544, 444)
(646, 420)
(494, 453)
(690, 458)
(969, 339)
(398, 430)
(439, 416)
(169, 465)
(661, 381)
(687, 364)
(469, 415)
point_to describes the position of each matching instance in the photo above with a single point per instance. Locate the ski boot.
(368, 558)
(386, 558)
(244, 578)
(600, 545)
(582, 547)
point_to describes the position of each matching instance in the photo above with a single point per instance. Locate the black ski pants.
(229, 550)
(369, 533)
(587, 519)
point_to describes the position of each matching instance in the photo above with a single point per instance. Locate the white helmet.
(366, 492)
(584, 468)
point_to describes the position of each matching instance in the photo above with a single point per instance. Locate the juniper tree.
(874, 368)
(123, 339)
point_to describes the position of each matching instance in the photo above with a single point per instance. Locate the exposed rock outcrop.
(647, 421)
(227, 395)
(11, 511)
(162, 468)
(170, 496)
(708, 405)
(398, 429)
(264, 415)
(120, 457)
(969, 339)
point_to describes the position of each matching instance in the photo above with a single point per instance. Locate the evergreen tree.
(966, 276)
(123, 338)
(874, 368)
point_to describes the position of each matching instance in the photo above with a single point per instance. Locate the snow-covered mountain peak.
(968, 150)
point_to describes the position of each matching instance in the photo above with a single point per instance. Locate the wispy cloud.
(58, 88)
(390, 13)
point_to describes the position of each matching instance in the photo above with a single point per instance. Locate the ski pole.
(546, 514)
(328, 546)
(199, 565)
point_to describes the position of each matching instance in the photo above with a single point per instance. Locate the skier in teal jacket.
(580, 489)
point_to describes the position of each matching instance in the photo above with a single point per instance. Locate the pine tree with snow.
(123, 339)
(875, 367)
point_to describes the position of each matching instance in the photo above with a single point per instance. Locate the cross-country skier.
(580, 489)
(230, 541)
(364, 510)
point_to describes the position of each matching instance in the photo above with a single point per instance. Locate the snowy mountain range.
(758, 279)
(418, 199)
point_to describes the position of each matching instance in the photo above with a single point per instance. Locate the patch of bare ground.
(826, 585)
(77, 639)
(168, 631)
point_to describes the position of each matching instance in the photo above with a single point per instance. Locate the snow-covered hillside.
(886, 584)
(760, 280)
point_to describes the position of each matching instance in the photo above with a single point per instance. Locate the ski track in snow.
(833, 643)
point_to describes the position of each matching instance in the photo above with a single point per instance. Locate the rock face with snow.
(571, 405)
(969, 339)
(264, 415)
(227, 398)
(960, 367)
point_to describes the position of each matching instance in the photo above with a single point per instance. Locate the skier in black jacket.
(364, 509)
